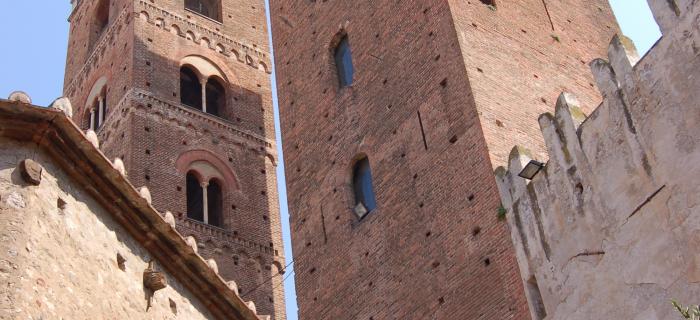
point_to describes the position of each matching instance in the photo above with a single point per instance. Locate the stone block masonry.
(609, 227)
(63, 249)
(80, 241)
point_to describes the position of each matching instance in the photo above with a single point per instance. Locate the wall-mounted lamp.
(531, 169)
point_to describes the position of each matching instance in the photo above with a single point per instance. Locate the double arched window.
(98, 112)
(363, 188)
(96, 105)
(204, 200)
(207, 94)
(208, 181)
(208, 8)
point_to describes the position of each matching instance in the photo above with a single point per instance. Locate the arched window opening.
(195, 198)
(489, 2)
(190, 88)
(215, 97)
(214, 203)
(100, 21)
(365, 201)
(208, 8)
(343, 62)
(97, 115)
(98, 111)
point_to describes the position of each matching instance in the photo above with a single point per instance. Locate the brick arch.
(335, 39)
(196, 174)
(350, 167)
(204, 67)
(97, 87)
(205, 54)
(279, 268)
(184, 163)
(242, 253)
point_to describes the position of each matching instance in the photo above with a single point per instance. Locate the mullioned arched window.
(204, 199)
(96, 105)
(202, 86)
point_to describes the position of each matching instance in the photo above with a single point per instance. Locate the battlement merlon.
(614, 192)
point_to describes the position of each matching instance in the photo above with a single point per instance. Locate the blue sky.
(35, 38)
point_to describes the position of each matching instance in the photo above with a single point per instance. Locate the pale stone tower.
(180, 90)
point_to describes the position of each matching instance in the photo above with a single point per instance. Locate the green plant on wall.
(689, 312)
(502, 213)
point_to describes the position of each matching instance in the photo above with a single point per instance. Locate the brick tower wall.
(433, 249)
(140, 56)
(520, 56)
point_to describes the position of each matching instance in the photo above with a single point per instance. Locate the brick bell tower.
(180, 90)
(394, 114)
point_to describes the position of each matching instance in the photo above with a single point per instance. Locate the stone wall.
(60, 251)
(609, 227)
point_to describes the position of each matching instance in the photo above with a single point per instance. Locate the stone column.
(205, 202)
(101, 120)
(204, 95)
(92, 119)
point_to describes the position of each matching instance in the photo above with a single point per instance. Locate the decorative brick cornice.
(217, 41)
(97, 52)
(222, 236)
(74, 9)
(163, 107)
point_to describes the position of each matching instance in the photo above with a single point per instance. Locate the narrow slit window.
(365, 201)
(343, 62)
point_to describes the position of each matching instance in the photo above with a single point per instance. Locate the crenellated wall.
(609, 228)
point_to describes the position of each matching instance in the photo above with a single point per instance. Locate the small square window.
(208, 8)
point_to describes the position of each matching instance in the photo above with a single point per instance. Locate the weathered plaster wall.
(62, 263)
(609, 228)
